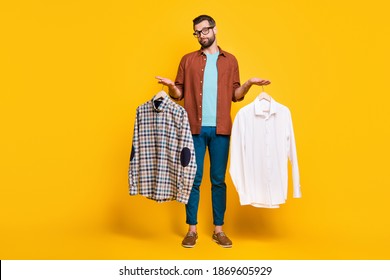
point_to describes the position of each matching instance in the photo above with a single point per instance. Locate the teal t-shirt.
(210, 87)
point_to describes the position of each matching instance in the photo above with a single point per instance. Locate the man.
(208, 80)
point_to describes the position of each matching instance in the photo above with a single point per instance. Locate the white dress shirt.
(262, 142)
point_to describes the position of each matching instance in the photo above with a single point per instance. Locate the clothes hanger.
(264, 95)
(161, 94)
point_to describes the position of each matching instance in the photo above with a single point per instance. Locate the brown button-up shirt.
(189, 80)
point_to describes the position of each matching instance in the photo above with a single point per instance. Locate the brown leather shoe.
(189, 240)
(222, 240)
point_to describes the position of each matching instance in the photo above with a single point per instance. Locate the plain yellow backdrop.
(74, 72)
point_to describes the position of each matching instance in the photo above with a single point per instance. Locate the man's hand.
(259, 82)
(243, 89)
(165, 81)
(174, 92)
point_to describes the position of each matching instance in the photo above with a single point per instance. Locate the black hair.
(201, 18)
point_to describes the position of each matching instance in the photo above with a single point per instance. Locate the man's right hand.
(165, 81)
(174, 92)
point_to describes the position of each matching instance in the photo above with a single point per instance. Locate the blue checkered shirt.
(162, 161)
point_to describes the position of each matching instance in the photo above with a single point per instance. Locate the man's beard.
(207, 43)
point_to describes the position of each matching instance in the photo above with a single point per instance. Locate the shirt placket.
(158, 138)
(204, 61)
(268, 158)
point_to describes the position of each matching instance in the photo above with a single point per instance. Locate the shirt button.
(201, 81)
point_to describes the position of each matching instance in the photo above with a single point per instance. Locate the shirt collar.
(163, 103)
(259, 109)
(221, 52)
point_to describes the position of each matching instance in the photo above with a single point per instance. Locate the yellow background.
(73, 73)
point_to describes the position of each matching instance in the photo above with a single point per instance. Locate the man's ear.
(215, 30)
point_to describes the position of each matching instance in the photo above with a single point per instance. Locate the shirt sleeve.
(237, 152)
(236, 80)
(134, 159)
(187, 167)
(292, 155)
(179, 81)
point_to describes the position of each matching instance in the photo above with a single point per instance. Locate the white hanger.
(160, 95)
(264, 95)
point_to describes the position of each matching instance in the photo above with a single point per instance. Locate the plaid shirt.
(162, 161)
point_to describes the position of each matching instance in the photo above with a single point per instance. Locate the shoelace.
(191, 233)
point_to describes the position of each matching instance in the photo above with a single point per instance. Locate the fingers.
(160, 79)
(266, 82)
(262, 82)
(259, 81)
(164, 81)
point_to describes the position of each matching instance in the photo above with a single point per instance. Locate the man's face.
(205, 40)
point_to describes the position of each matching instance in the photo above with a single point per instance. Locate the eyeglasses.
(204, 31)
